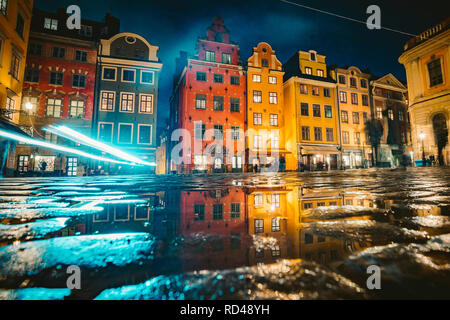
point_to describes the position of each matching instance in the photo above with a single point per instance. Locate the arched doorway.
(440, 134)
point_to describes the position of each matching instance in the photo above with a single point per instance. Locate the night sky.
(175, 26)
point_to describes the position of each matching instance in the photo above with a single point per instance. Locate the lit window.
(319, 72)
(344, 116)
(226, 58)
(76, 109)
(256, 78)
(258, 200)
(218, 103)
(257, 96)
(257, 118)
(308, 70)
(107, 101)
(210, 56)
(328, 112)
(54, 107)
(127, 102)
(146, 103)
(315, 91)
(200, 101)
(50, 24)
(276, 224)
(275, 142)
(343, 96)
(273, 98)
(272, 80)
(303, 89)
(257, 142)
(356, 117)
(4, 7)
(274, 119)
(259, 224)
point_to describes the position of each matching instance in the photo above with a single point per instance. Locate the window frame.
(119, 125)
(139, 133)
(121, 101)
(134, 75)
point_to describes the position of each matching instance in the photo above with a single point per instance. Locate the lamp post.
(422, 137)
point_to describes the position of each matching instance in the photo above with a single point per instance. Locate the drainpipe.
(95, 102)
(338, 117)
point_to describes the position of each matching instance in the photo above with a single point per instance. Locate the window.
(217, 211)
(328, 112)
(256, 78)
(345, 137)
(257, 96)
(435, 72)
(319, 72)
(210, 56)
(218, 103)
(355, 117)
(363, 83)
(50, 24)
(272, 80)
(309, 238)
(200, 101)
(308, 70)
(235, 80)
(379, 113)
(326, 92)
(22, 163)
(56, 78)
(312, 56)
(365, 100)
(147, 77)
(316, 110)
(307, 205)
(353, 82)
(32, 75)
(276, 225)
(80, 56)
(78, 81)
(128, 75)
(257, 142)
(257, 118)
(276, 200)
(226, 58)
(264, 63)
(259, 225)
(305, 133)
(76, 109)
(199, 212)
(235, 133)
(85, 31)
(236, 162)
(235, 211)
(218, 132)
(344, 116)
(146, 103)
(343, 96)
(354, 97)
(54, 107)
(317, 134)
(58, 52)
(303, 89)
(391, 114)
(199, 131)
(105, 132)
(50, 137)
(10, 106)
(107, 101)
(34, 49)
(218, 78)
(15, 65)
(330, 136)
(273, 98)
(274, 142)
(357, 138)
(109, 74)
(400, 116)
(315, 91)
(274, 119)
(235, 104)
(201, 76)
(125, 133)
(342, 79)
(365, 117)
(304, 109)
(127, 102)
(20, 25)
(144, 134)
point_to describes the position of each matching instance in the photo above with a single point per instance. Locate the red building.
(59, 86)
(209, 103)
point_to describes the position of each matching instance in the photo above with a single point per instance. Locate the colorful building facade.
(208, 106)
(426, 59)
(310, 99)
(354, 109)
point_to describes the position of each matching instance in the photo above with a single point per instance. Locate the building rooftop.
(427, 34)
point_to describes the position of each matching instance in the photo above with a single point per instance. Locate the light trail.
(47, 145)
(85, 140)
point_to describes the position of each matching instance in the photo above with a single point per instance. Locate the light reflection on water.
(212, 222)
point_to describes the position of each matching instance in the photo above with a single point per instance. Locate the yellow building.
(354, 108)
(15, 18)
(266, 139)
(310, 97)
(426, 59)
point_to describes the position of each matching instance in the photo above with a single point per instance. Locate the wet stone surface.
(231, 236)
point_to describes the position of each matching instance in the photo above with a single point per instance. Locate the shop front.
(313, 158)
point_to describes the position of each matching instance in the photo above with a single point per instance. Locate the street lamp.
(29, 106)
(422, 137)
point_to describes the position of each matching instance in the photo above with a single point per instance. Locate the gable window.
(304, 109)
(343, 96)
(273, 119)
(257, 96)
(105, 132)
(329, 133)
(85, 31)
(146, 103)
(125, 133)
(200, 101)
(56, 78)
(126, 102)
(218, 103)
(226, 58)
(58, 52)
(54, 107)
(273, 98)
(218, 78)
(264, 63)
(317, 133)
(305, 133)
(272, 80)
(50, 24)
(344, 116)
(109, 74)
(76, 109)
(201, 76)
(144, 134)
(235, 105)
(257, 119)
(363, 83)
(353, 82)
(128, 75)
(107, 100)
(316, 110)
(342, 79)
(32, 75)
(435, 72)
(210, 56)
(80, 56)
(308, 70)
(235, 80)
(312, 56)
(354, 97)
(78, 81)
(147, 77)
(320, 72)
(328, 112)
